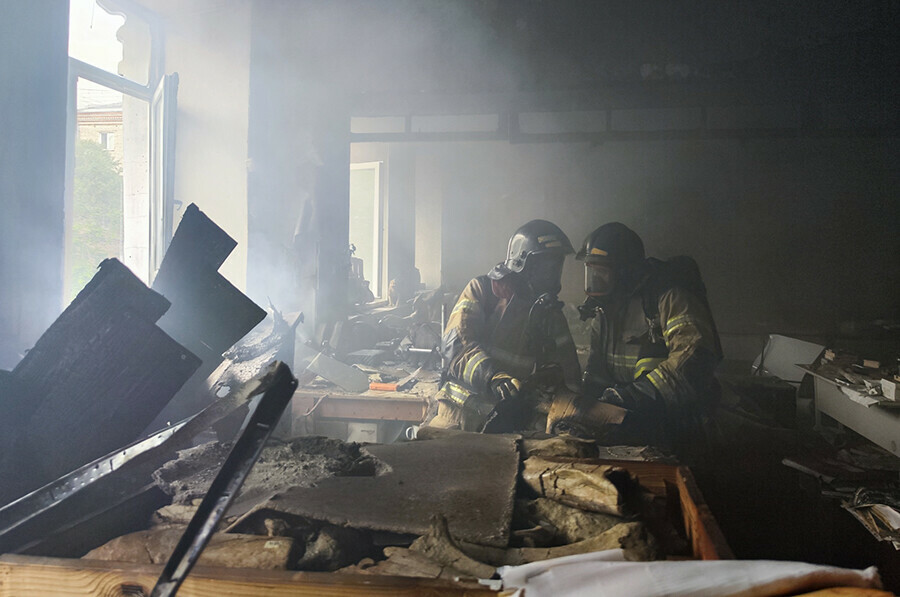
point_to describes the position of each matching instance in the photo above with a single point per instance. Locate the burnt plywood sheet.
(95, 379)
(208, 313)
(468, 478)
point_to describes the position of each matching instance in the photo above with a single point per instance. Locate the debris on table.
(447, 507)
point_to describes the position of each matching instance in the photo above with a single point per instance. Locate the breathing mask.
(599, 279)
(544, 273)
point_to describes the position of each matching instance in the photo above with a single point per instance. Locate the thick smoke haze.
(268, 90)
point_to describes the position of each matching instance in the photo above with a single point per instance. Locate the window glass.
(94, 38)
(365, 221)
(110, 186)
(92, 35)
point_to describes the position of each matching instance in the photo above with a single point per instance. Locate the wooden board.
(93, 381)
(208, 314)
(372, 406)
(29, 576)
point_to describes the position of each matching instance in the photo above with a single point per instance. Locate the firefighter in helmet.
(654, 344)
(506, 325)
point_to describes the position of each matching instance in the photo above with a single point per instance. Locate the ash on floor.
(302, 462)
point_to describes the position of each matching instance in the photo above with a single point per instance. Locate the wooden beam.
(30, 576)
(706, 537)
(380, 406)
(631, 95)
(611, 136)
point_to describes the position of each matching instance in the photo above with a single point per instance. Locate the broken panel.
(92, 382)
(208, 313)
(470, 479)
(108, 482)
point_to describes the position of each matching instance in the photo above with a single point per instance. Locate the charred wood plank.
(208, 313)
(92, 382)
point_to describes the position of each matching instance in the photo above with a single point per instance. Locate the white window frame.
(378, 273)
(159, 93)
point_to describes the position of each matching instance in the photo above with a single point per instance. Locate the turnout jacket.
(670, 358)
(486, 334)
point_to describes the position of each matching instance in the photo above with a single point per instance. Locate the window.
(108, 141)
(116, 146)
(366, 222)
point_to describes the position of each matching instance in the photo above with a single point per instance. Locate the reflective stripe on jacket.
(487, 334)
(679, 365)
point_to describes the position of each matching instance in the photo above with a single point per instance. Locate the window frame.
(378, 271)
(161, 197)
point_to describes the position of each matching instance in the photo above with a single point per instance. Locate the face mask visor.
(599, 280)
(545, 273)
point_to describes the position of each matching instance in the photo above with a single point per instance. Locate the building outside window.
(116, 200)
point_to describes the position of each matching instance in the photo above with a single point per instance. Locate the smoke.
(268, 88)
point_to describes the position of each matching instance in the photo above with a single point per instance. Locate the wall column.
(33, 67)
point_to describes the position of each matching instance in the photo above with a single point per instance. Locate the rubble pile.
(402, 510)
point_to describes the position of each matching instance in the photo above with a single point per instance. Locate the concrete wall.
(299, 147)
(208, 45)
(33, 66)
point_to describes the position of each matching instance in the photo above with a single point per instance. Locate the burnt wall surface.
(33, 65)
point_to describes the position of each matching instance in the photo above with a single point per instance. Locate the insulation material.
(594, 487)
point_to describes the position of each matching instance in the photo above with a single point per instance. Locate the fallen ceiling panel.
(102, 485)
(468, 478)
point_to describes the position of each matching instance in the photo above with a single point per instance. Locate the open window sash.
(163, 108)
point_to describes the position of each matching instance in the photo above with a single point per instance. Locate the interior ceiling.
(571, 44)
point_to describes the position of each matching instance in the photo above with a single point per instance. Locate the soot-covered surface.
(302, 462)
(470, 479)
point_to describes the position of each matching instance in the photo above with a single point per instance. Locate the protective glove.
(630, 398)
(504, 386)
(617, 397)
(592, 386)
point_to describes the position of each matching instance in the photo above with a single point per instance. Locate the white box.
(362, 432)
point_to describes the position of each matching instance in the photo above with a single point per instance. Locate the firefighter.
(505, 326)
(654, 344)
